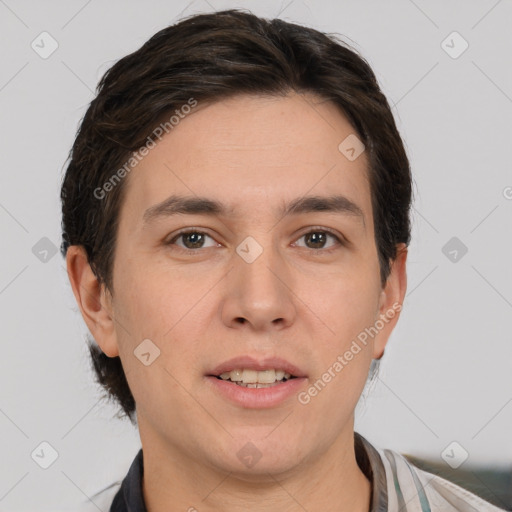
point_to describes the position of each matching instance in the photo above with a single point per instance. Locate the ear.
(94, 300)
(391, 301)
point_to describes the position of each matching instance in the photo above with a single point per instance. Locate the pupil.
(194, 235)
(318, 238)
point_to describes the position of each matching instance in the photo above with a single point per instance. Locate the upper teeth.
(253, 376)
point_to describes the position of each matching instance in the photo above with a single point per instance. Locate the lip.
(251, 363)
(255, 398)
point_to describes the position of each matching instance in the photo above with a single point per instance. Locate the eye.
(318, 237)
(193, 239)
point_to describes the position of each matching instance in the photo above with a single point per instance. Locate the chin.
(260, 457)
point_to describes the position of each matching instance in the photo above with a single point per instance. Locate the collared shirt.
(397, 486)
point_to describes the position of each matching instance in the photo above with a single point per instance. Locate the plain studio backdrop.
(446, 375)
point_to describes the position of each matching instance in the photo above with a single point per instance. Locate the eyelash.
(313, 230)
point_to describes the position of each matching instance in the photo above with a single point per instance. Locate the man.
(235, 224)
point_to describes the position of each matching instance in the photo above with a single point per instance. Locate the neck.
(174, 481)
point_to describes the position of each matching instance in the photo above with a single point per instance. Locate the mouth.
(248, 372)
(248, 378)
(253, 383)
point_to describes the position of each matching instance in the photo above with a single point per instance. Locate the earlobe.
(391, 300)
(92, 299)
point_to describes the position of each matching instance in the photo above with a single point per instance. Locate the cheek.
(344, 361)
(359, 312)
(162, 307)
(349, 303)
(148, 302)
(349, 307)
(158, 310)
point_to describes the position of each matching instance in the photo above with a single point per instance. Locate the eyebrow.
(195, 205)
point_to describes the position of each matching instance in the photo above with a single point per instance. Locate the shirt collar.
(370, 463)
(129, 498)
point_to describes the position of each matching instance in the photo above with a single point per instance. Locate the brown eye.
(191, 240)
(196, 240)
(317, 239)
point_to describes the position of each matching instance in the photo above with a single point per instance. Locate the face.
(262, 273)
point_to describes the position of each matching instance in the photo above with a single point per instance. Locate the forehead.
(249, 150)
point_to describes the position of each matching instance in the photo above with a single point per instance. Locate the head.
(253, 115)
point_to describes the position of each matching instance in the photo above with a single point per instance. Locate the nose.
(259, 293)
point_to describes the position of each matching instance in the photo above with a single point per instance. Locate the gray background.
(446, 375)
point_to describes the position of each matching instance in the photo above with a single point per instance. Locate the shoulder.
(408, 484)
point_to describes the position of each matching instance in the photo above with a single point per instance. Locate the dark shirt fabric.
(129, 497)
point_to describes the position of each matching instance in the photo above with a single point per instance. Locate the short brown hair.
(211, 57)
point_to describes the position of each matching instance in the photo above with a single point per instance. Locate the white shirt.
(399, 486)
